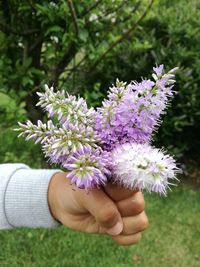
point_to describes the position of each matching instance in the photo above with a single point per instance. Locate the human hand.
(115, 211)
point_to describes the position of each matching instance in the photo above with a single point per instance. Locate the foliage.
(13, 149)
(83, 46)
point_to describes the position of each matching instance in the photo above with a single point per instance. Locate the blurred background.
(82, 47)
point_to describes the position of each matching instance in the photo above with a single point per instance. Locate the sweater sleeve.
(24, 197)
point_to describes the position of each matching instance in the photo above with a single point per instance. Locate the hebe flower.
(112, 141)
(74, 127)
(72, 141)
(104, 114)
(67, 108)
(59, 142)
(132, 112)
(88, 168)
(142, 166)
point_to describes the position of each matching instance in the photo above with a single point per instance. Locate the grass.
(173, 240)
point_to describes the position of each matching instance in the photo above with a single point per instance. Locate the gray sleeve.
(23, 197)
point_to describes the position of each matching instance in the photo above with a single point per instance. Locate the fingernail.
(115, 230)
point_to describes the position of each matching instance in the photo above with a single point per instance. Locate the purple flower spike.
(88, 167)
(132, 113)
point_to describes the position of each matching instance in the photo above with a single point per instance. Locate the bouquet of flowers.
(112, 142)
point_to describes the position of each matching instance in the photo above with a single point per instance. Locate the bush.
(13, 149)
(83, 47)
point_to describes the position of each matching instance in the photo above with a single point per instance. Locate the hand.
(131, 207)
(98, 211)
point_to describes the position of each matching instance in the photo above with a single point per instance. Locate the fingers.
(126, 240)
(131, 233)
(104, 210)
(132, 205)
(135, 224)
(117, 193)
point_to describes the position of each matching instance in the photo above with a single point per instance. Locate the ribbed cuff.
(6, 172)
(26, 199)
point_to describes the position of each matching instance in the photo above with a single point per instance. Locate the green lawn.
(172, 240)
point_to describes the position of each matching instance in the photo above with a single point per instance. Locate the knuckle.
(144, 222)
(139, 202)
(107, 214)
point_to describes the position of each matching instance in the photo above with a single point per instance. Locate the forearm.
(23, 197)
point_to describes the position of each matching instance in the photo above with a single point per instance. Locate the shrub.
(83, 46)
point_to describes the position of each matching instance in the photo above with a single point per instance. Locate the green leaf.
(4, 100)
(83, 35)
(54, 29)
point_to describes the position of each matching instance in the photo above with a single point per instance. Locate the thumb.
(104, 210)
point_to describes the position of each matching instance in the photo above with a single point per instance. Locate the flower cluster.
(111, 142)
(142, 166)
(88, 168)
(58, 142)
(132, 112)
(73, 128)
(67, 108)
